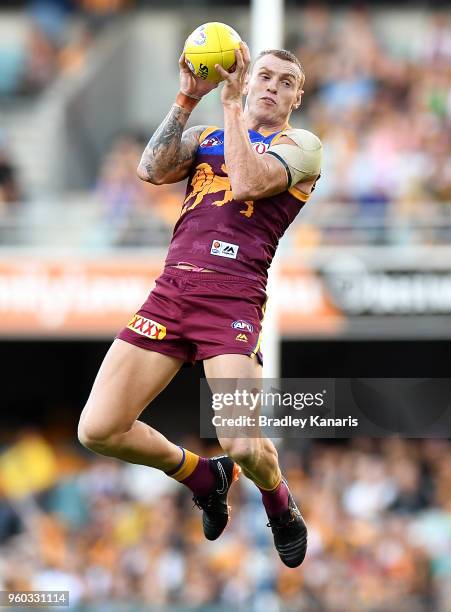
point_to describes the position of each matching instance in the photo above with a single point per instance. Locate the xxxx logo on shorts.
(147, 327)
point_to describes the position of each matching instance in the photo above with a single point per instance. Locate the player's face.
(274, 88)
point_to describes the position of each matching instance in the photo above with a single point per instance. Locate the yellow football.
(211, 43)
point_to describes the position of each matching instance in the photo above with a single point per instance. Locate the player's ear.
(298, 100)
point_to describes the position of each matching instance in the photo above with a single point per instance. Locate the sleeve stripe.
(285, 165)
(299, 195)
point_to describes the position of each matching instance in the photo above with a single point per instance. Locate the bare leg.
(257, 456)
(128, 380)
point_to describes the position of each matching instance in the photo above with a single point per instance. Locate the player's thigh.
(232, 366)
(129, 378)
(229, 372)
(240, 376)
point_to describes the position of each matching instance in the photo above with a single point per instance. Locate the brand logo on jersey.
(224, 249)
(241, 338)
(260, 147)
(212, 141)
(240, 324)
(147, 327)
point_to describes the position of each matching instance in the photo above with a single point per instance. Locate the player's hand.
(235, 81)
(192, 85)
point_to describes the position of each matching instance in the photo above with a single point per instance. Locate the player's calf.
(247, 452)
(258, 459)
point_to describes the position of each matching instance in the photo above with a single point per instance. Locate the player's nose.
(272, 87)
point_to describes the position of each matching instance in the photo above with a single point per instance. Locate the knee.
(95, 437)
(244, 451)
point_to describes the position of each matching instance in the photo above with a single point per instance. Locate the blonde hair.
(283, 54)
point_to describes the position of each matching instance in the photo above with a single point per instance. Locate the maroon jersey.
(217, 232)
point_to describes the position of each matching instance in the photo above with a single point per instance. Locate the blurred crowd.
(130, 211)
(379, 97)
(379, 516)
(56, 40)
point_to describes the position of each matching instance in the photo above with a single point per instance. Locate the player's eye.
(265, 76)
(287, 83)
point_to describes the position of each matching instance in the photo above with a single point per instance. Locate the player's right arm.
(171, 150)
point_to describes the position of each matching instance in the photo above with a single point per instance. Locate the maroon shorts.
(197, 315)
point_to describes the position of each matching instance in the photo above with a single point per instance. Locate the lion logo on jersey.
(205, 182)
(198, 248)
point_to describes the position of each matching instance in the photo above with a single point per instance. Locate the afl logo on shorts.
(147, 327)
(243, 325)
(260, 147)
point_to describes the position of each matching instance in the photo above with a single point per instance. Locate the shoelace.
(279, 524)
(202, 505)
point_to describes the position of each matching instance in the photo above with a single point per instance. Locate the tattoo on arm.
(170, 151)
